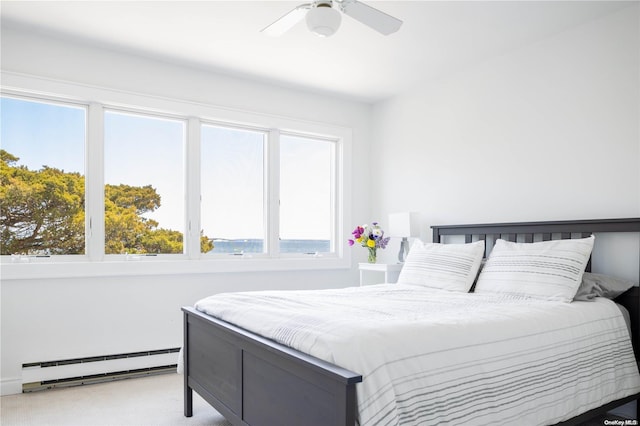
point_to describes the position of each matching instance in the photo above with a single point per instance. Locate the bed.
(254, 380)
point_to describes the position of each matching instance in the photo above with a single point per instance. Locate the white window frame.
(271, 181)
(95, 263)
(266, 179)
(185, 231)
(52, 100)
(335, 190)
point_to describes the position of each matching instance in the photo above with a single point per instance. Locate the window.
(144, 184)
(192, 189)
(232, 187)
(42, 191)
(306, 194)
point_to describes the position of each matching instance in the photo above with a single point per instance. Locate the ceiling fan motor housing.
(323, 20)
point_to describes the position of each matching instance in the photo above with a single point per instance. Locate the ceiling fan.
(324, 16)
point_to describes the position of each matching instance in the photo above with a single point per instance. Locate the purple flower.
(382, 243)
(351, 242)
(357, 233)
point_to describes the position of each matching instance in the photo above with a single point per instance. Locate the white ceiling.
(437, 37)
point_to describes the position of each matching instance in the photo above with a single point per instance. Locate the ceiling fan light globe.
(323, 21)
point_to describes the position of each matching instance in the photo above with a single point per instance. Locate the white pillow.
(548, 270)
(444, 266)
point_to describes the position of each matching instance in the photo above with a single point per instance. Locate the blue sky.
(142, 150)
(138, 150)
(231, 182)
(43, 134)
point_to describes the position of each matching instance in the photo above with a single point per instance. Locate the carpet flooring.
(149, 401)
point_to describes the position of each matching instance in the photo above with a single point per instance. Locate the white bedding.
(432, 357)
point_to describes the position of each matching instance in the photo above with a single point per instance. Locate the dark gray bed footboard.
(252, 380)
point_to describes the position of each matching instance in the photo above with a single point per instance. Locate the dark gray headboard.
(527, 231)
(533, 231)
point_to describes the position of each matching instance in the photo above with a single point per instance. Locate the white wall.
(52, 319)
(550, 131)
(546, 132)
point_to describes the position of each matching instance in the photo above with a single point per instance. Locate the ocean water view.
(240, 246)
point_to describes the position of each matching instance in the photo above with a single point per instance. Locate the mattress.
(432, 357)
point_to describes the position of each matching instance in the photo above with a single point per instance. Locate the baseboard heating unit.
(38, 376)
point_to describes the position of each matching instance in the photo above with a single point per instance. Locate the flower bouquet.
(371, 237)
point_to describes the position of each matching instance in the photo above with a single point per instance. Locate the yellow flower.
(371, 243)
(359, 239)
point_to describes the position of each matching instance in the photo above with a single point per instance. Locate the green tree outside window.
(42, 212)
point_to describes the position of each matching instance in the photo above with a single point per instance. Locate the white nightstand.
(391, 271)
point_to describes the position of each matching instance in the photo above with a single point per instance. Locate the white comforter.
(436, 358)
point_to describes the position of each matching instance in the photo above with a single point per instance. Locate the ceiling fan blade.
(287, 21)
(372, 17)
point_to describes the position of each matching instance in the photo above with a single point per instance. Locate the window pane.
(42, 178)
(306, 195)
(144, 184)
(232, 186)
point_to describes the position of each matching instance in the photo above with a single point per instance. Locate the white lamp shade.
(406, 224)
(323, 21)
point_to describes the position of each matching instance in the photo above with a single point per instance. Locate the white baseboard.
(10, 386)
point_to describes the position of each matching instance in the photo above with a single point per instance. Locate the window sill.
(143, 267)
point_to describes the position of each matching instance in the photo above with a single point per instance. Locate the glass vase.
(372, 255)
